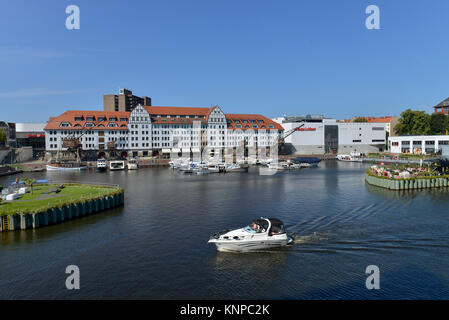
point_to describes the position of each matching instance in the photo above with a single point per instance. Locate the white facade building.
(327, 136)
(152, 130)
(417, 144)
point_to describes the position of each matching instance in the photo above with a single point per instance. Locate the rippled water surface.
(155, 246)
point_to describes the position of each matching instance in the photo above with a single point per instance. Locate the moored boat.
(352, 157)
(116, 165)
(306, 162)
(102, 165)
(236, 168)
(132, 164)
(66, 166)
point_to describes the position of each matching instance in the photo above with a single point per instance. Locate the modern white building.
(417, 144)
(150, 130)
(318, 135)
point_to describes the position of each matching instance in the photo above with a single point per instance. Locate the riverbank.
(51, 204)
(8, 171)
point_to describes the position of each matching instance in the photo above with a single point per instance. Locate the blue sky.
(248, 56)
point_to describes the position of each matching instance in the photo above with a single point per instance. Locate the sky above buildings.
(248, 56)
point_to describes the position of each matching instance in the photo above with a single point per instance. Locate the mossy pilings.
(407, 184)
(61, 214)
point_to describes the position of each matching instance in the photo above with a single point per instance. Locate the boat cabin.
(271, 225)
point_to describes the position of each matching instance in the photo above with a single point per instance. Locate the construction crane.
(73, 141)
(281, 141)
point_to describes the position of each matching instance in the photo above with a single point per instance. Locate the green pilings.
(407, 184)
(52, 216)
(106, 202)
(97, 205)
(26, 221)
(90, 207)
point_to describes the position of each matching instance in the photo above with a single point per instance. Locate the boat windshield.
(257, 226)
(249, 229)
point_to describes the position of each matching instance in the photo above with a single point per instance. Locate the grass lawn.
(38, 201)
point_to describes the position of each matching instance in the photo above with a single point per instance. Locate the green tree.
(359, 119)
(413, 122)
(438, 123)
(2, 137)
(29, 183)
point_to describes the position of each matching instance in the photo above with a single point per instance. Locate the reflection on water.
(156, 245)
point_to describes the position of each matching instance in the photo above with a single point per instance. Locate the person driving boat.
(255, 227)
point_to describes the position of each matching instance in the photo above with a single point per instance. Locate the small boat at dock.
(236, 168)
(352, 157)
(117, 165)
(132, 164)
(65, 166)
(102, 165)
(306, 162)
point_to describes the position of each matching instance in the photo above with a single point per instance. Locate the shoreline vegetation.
(44, 198)
(402, 156)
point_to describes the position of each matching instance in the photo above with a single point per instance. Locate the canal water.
(155, 247)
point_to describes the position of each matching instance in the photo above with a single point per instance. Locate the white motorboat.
(116, 165)
(263, 233)
(101, 164)
(215, 168)
(132, 164)
(278, 165)
(236, 168)
(352, 157)
(187, 167)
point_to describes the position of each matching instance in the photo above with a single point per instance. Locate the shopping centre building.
(315, 134)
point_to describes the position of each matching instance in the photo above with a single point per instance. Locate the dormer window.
(112, 118)
(270, 126)
(90, 118)
(112, 125)
(89, 124)
(79, 118)
(101, 119)
(123, 119)
(64, 124)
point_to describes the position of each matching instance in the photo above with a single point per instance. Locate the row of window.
(100, 119)
(373, 140)
(419, 143)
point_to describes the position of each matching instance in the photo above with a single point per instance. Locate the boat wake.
(314, 237)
